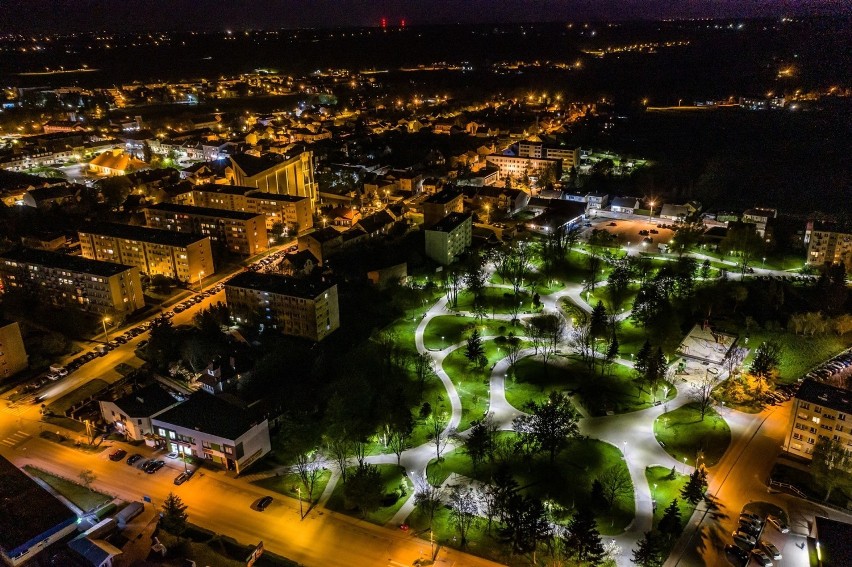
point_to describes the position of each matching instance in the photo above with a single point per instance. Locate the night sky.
(129, 15)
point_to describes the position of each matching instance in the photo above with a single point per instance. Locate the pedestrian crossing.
(15, 439)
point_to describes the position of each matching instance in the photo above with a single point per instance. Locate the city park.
(559, 410)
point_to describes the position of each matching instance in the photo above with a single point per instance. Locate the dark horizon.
(61, 16)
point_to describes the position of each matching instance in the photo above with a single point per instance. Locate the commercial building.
(299, 307)
(819, 410)
(208, 427)
(516, 166)
(437, 206)
(241, 233)
(60, 279)
(828, 244)
(294, 213)
(131, 414)
(31, 518)
(177, 255)
(570, 156)
(275, 173)
(13, 355)
(449, 238)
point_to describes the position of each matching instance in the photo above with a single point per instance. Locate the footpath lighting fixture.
(301, 513)
(105, 320)
(200, 275)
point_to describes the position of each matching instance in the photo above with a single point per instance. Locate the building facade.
(449, 238)
(13, 355)
(828, 244)
(181, 256)
(131, 414)
(293, 212)
(517, 167)
(570, 156)
(298, 307)
(241, 233)
(437, 206)
(819, 410)
(275, 173)
(60, 279)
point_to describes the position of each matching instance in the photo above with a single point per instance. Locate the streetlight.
(301, 514)
(431, 544)
(200, 275)
(105, 320)
(651, 212)
(684, 465)
(764, 262)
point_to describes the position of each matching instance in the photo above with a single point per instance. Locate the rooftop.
(280, 285)
(834, 542)
(825, 395)
(224, 189)
(444, 196)
(277, 197)
(27, 511)
(145, 401)
(64, 261)
(202, 211)
(450, 222)
(209, 414)
(142, 234)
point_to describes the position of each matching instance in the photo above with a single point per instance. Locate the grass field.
(290, 483)
(682, 433)
(496, 300)
(82, 497)
(799, 353)
(391, 478)
(664, 489)
(447, 330)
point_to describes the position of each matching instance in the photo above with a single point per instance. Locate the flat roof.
(450, 222)
(145, 401)
(835, 542)
(305, 288)
(224, 189)
(208, 414)
(142, 234)
(825, 395)
(202, 211)
(28, 512)
(64, 262)
(277, 197)
(444, 196)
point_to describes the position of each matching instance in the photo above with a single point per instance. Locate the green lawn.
(447, 330)
(82, 497)
(289, 484)
(616, 391)
(445, 534)
(496, 300)
(682, 433)
(664, 489)
(798, 353)
(567, 484)
(603, 294)
(391, 477)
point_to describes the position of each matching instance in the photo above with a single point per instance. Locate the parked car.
(779, 524)
(736, 555)
(154, 466)
(753, 518)
(52, 376)
(181, 478)
(264, 503)
(743, 539)
(142, 344)
(749, 528)
(117, 455)
(761, 558)
(770, 550)
(133, 459)
(173, 455)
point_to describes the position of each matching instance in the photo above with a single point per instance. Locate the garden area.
(289, 484)
(81, 496)
(447, 330)
(395, 489)
(682, 433)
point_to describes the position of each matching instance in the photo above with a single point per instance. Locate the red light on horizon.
(402, 23)
(384, 22)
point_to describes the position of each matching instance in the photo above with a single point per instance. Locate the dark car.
(181, 478)
(117, 455)
(133, 459)
(154, 466)
(264, 503)
(736, 555)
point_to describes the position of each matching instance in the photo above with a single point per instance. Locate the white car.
(779, 524)
(771, 550)
(53, 376)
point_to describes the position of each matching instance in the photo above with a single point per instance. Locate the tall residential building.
(304, 308)
(241, 233)
(819, 410)
(60, 279)
(570, 156)
(177, 255)
(828, 244)
(293, 212)
(275, 173)
(515, 167)
(13, 355)
(449, 238)
(437, 206)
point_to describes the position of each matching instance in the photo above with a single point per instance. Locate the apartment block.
(828, 244)
(177, 255)
(293, 212)
(240, 232)
(437, 206)
(819, 410)
(60, 279)
(299, 307)
(13, 355)
(570, 157)
(515, 166)
(449, 238)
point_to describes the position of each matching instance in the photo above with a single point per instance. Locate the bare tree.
(513, 350)
(581, 342)
(615, 482)
(702, 395)
(437, 436)
(464, 509)
(309, 466)
(87, 477)
(428, 499)
(340, 449)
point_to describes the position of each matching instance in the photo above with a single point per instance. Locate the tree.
(437, 436)
(163, 343)
(766, 359)
(743, 240)
(477, 443)
(652, 550)
(831, 465)
(527, 523)
(475, 351)
(686, 237)
(705, 269)
(582, 539)
(702, 395)
(550, 425)
(309, 466)
(340, 449)
(643, 358)
(615, 482)
(513, 348)
(424, 368)
(474, 279)
(693, 491)
(452, 283)
(670, 524)
(427, 498)
(399, 431)
(463, 510)
(503, 487)
(87, 477)
(364, 489)
(173, 518)
(618, 283)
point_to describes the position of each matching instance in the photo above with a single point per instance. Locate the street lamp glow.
(106, 320)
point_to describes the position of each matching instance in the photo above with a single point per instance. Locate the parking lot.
(628, 231)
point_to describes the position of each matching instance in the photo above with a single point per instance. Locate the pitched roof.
(253, 165)
(120, 162)
(209, 414)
